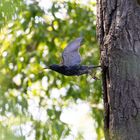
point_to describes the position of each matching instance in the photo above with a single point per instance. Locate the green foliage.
(33, 38)
(8, 10)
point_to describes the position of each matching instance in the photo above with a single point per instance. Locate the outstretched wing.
(71, 54)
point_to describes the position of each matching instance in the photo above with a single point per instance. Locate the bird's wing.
(71, 54)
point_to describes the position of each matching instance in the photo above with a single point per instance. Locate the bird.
(71, 61)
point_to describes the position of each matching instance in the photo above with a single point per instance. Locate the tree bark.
(118, 32)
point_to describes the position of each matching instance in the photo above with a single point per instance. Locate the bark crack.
(106, 104)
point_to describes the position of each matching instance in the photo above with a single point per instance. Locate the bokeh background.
(38, 104)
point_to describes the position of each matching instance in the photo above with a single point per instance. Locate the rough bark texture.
(118, 30)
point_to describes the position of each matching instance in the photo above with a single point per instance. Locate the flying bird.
(71, 59)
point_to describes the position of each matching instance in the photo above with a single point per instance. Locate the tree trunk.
(118, 31)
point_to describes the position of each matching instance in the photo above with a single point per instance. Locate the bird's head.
(57, 68)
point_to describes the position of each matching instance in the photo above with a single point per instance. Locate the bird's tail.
(93, 67)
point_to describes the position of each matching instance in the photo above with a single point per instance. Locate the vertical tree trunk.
(118, 30)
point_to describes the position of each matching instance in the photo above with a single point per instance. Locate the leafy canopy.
(31, 38)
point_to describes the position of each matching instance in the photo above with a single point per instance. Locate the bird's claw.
(93, 75)
(95, 78)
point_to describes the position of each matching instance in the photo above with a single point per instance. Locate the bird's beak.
(46, 67)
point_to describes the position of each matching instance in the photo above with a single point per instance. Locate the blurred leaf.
(32, 38)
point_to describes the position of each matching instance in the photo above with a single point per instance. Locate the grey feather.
(71, 55)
